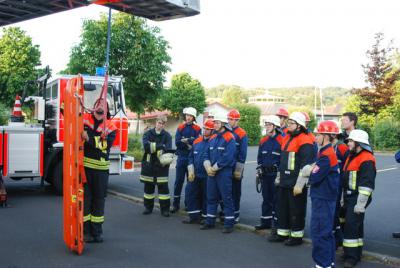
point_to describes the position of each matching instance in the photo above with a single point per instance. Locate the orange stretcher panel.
(73, 171)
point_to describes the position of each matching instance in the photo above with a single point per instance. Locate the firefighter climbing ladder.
(73, 171)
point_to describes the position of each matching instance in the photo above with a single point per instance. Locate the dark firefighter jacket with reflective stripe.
(297, 151)
(151, 167)
(97, 150)
(269, 152)
(197, 156)
(359, 174)
(325, 178)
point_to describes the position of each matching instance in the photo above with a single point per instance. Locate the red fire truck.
(35, 150)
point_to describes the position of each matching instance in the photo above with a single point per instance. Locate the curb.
(367, 255)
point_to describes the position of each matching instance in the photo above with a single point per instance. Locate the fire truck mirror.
(116, 91)
(89, 87)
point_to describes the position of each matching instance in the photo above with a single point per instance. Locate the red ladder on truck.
(73, 170)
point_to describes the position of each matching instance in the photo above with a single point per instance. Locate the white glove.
(238, 172)
(166, 159)
(362, 200)
(215, 168)
(191, 173)
(153, 147)
(342, 200)
(185, 140)
(306, 170)
(189, 147)
(210, 171)
(300, 183)
(278, 178)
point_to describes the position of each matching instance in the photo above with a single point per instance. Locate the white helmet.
(273, 119)
(190, 111)
(359, 135)
(211, 113)
(221, 116)
(299, 117)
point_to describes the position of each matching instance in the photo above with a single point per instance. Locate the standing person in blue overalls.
(324, 185)
(240, 157)
(196, 187)
(184, 137)
(268, 159)
(219, 163)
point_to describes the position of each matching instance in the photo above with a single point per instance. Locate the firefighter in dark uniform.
(157, 157)
(297, 156)
(184, 138)
(196, 187)
(359, 182)
(324, 186)
(241, 140)
(96, 162)
(268, 158)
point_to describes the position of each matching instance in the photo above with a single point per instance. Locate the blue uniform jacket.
(325, 178)
(197, 156)
(190, 131)
(241, 144)
(221, 150)
(269, 152)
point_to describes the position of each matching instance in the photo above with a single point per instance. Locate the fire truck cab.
(36, 151)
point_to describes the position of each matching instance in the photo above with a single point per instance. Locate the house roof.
(269, 108)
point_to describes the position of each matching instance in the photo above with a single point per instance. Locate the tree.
(138, 52)
(233, 95)
(183, 92)
(250, 122)
(18, 61)
(381, 76)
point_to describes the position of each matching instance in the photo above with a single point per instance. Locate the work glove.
(153, 147)
(210, 171)
(238, 172)
(189, 147)
(191, 173)
(362, 200)
(215, 168)
(342, 200)
(300, 183)
(306, 170)
(185, 140)
(259, 172)
(277, 179)
(166, 159)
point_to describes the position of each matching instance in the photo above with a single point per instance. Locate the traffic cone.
(17, 111)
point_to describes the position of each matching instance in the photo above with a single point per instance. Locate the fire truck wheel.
(58, 177)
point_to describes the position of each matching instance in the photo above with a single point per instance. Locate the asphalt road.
(31, 236)
(382, 216)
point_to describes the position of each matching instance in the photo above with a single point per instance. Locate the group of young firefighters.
(339, 168)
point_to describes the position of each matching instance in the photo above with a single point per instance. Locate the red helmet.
(209, 124)
(282, 112)
(307, 116)
(234, 114)
(328, 127)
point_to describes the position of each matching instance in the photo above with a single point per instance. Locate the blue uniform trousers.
(323, 240)
(195, 196)
(220, 186)
(181, 173)
(236, 195)
(268, 216)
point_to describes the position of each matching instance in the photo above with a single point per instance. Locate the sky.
(251, 43)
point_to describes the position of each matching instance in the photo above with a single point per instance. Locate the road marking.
(386, 169)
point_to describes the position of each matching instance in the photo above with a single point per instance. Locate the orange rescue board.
(73, 171)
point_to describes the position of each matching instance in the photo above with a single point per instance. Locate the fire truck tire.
(58, 177)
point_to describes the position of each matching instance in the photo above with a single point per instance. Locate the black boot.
(227, 230)
(396, 235)
(147, 211)
(262, 227)
(96, 239)
(207, 227)
(349, 263)
(294, 241)
(191, 221)
(174, 210)
(165, 213)
(274, 237)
